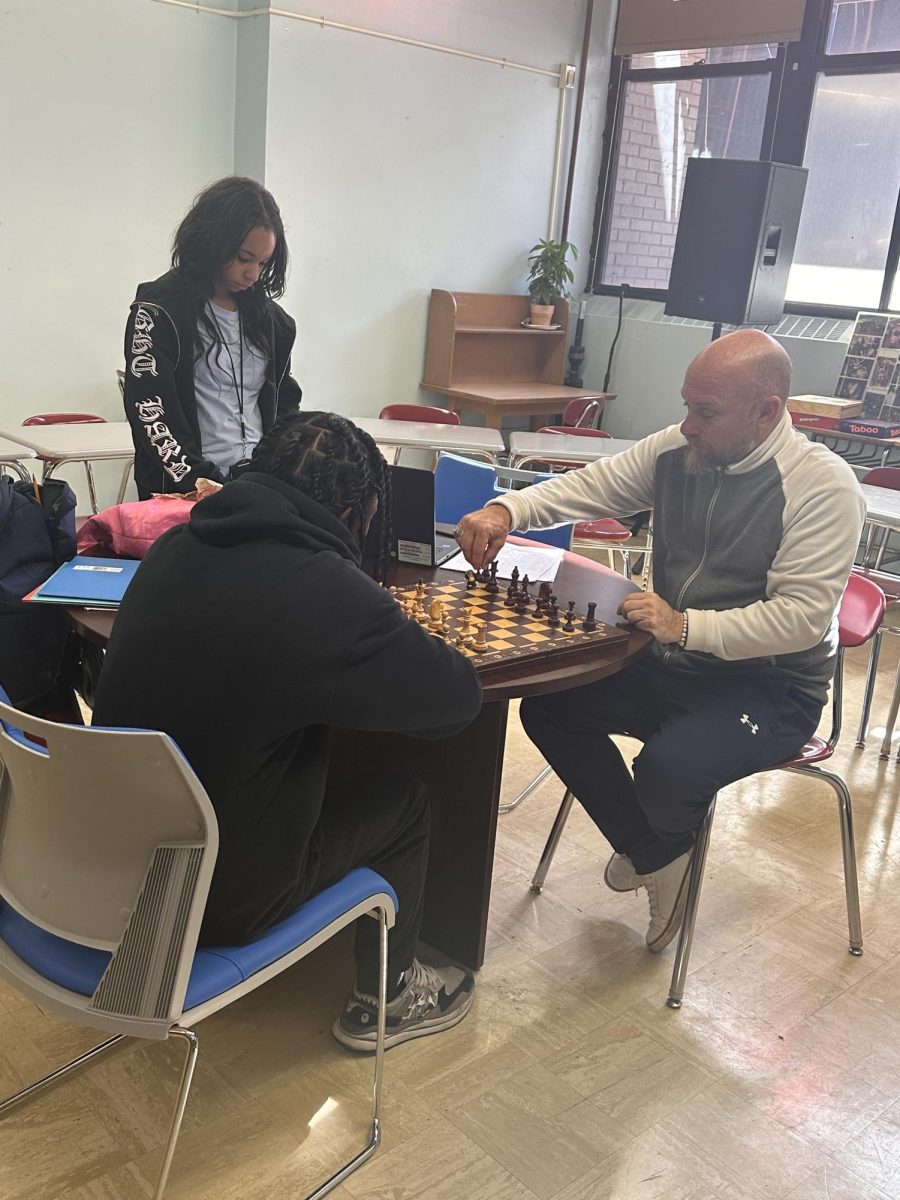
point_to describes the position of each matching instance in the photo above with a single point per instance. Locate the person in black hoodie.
(207, 349)
(247, 635)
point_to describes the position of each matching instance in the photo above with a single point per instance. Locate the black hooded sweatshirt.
(246, 635)
(160, 402)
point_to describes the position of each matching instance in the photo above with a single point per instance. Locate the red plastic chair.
(861, 612)
(67, 418)
(582, 413)
(419, 412)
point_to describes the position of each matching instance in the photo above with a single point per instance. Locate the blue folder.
(94, 582)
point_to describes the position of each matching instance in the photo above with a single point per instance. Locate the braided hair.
(337, 464)
(210, 237)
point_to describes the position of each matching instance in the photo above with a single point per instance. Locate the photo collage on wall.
(871, 370)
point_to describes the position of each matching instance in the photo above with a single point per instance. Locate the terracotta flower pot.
(541, 314)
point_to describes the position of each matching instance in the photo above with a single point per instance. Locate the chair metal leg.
(123, 483)
(848, 848)
(869, 690)
(526, 792)
(83, 1060)
(559, 825)
(891, 720)
(692, 903)
(92, 491)
(187, 1075)
(375, 1135)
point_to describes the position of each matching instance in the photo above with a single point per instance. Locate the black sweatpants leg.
(699, 733)
(380, 822)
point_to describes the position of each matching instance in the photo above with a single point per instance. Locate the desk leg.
(462, 775)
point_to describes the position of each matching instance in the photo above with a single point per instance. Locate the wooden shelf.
(480, 355)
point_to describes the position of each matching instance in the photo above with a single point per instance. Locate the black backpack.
(37, 534)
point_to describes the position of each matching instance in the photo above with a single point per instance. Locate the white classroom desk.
(562, 447)
(882, 506)
(13, 456)
(424, 435)
(79, 443)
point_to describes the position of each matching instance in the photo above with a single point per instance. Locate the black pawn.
(492, 585)
(521, 606)
(553, 614)
(569, 626)
(589, 624)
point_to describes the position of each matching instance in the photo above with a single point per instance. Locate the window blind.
(648, 25)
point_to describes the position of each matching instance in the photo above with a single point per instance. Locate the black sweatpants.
(700, 732)
(380, 822)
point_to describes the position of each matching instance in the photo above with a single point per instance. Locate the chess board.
(511, 637)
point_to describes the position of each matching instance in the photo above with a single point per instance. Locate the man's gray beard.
(696, 463)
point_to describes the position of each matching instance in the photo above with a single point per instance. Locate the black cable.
(623, 288)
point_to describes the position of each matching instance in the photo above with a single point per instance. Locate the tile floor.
(778, 1080)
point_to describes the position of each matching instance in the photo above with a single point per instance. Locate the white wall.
(115, 113)
(400, 169)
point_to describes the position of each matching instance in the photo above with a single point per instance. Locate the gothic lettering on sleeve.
(150, 410)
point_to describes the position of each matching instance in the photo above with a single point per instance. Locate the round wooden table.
(463, 773)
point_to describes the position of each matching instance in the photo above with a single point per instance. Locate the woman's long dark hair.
(337, 464)
(210, 237)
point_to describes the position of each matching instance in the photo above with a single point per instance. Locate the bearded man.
(755, 532)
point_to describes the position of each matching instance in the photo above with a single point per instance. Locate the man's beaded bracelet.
(682, 641)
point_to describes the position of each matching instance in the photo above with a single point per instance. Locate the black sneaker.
(432, 999)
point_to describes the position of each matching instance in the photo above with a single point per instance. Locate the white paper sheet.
(540, 563)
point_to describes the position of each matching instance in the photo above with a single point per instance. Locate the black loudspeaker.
(735, 242)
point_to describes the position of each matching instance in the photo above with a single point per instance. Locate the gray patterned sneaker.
(432, 999)
(667, 893)
(620, 875)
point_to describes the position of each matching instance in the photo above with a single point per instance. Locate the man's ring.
(457, 530)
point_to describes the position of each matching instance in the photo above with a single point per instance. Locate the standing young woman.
(207, 349)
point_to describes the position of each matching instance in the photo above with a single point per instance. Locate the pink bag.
(129, 530)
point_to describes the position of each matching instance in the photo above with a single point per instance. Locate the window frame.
(794, 74)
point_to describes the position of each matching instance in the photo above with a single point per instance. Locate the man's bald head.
(735, 392)
(748, 364)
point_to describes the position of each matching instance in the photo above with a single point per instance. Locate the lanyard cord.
(238, 387)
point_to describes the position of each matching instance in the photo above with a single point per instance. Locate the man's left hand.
(651, 613)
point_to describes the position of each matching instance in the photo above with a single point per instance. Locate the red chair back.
(574, 431)
(886, 477)
(861, 612)
(66, 418)
(419, 412)
(582, 412)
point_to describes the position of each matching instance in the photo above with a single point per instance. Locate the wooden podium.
(483, 356)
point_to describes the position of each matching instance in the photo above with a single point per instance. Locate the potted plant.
(548, 277)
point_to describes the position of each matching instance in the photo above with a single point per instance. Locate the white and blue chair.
(107, 848)
(462, 485)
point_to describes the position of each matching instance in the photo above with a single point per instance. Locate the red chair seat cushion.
(607, 529)
(815, 751)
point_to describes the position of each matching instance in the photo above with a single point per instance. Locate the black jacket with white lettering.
(248, 635)
(160, 403)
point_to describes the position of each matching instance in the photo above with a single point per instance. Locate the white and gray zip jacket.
(757, 553)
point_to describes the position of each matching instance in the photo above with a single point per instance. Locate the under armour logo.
(745, 720)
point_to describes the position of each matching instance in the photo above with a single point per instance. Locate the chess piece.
(515, 578)
(420, 589)
(471, 582)
(521, 605)
(538, 614)
(525, 584)
(569, 626)
(492, 585)
(511, 593)
(436, 615)
(589, 624)
(553, 614)
(481, 638)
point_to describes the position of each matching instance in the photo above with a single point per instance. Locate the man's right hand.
(480, 534)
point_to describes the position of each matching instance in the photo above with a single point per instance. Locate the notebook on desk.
(92, 582)
(416, 538)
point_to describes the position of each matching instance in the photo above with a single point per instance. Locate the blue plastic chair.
(108, 848)
(461, 485)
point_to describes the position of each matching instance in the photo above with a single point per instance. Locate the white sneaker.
(620, 875)
(667, 893)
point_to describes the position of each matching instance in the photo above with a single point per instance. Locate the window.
(830, 102)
